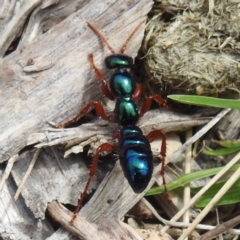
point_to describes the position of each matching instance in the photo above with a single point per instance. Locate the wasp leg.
(137, 92)
(99, 109)
(92, 171)
(147, 103)
(151, 137)
(100, 76)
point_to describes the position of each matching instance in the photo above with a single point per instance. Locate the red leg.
(147, 103)
(103, 147)
(105, 88)
(151, 137)
(116, 134)
(137, 92)
(83, 111)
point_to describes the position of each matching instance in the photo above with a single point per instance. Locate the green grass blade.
(187, 178)
(222, 151)
(231, 196)
(229, 143)
(206, 101)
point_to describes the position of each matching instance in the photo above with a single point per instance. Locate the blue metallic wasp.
(134, 149)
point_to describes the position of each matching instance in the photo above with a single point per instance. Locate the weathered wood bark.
(48, 77)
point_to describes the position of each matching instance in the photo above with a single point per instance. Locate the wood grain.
(49, 77)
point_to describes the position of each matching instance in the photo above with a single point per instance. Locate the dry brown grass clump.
(193, 47)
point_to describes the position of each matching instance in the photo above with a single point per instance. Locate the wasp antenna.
(130, 36)
(101, 36)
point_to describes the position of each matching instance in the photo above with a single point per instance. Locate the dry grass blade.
(200, 133)
(204, 189)
(28, 172)
(221, 228)
(7, 171)
(213, 180)
(216, 198)
(187, 190)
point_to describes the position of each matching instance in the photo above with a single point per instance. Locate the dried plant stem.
(181, 224)
(34, 159)
(203, 190)
(199, 134)
(216, 198)
(7, 171)
(187, 190)
(220, 229)
(80, 227)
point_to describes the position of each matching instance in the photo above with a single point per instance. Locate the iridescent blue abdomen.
(135, 157)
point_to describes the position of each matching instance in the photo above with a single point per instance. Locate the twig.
(220, 229)
(80, 227)
(187, 190)
(181, 224)
(204, 189)
(7, 171)
(85, 230)
(214, 179)
(34, 159)
(199, 134)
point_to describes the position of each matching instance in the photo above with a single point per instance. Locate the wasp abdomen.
(136, 158)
